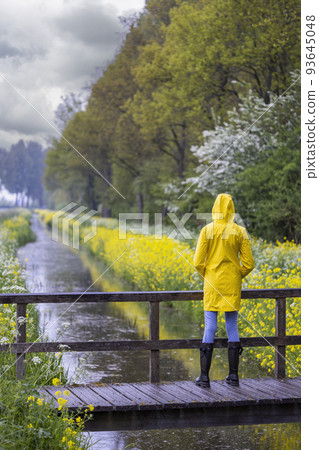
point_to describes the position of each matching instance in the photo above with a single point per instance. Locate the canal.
(53, 267)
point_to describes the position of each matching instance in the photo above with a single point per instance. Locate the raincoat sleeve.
(246, 257)
(199, 260)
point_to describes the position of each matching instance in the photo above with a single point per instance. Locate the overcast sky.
(49, 49)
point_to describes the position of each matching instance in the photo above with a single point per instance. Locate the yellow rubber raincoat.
(223, 257)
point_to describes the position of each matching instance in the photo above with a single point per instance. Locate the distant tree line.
(21, 172)
(183, 66)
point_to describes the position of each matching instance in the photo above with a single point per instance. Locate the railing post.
(154, 363)
(21, 338)
(280, 355)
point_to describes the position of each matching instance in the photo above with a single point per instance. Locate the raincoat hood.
(223, 209)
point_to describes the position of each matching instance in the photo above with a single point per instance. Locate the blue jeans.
(211, 326)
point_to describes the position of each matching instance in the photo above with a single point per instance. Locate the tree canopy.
(21, 171)
(184, 67)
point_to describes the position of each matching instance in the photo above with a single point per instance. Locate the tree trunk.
(106, 203)
(140, 203)
(164, 211)
(90, 188)
(181, 154)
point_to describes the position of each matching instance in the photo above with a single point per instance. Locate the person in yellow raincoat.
(222, 257)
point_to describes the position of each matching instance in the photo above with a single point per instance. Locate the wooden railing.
(153, 344)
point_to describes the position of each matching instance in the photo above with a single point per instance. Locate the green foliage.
(27, 420)
(17, 229)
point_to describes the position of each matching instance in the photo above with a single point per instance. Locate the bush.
(26, 419)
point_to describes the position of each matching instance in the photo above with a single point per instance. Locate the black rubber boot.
(234, 350)
(206, 351)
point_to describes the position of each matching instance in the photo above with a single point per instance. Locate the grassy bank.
(166, 264)
(26, 419)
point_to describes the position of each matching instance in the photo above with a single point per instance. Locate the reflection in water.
(52, 267)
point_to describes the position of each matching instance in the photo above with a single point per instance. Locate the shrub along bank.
(26, 419)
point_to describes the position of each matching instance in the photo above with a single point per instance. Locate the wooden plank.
(90, 397)
(237, 395)
(294, 390)
(296, 381)
(154, 356)
(145, 296)
(270, 293)
(190, 398)
(21, 317)
(73, 401)
(101, 297)
(169, 344)
(277, 395)
(280, 353)
(282, 387)
(275, 391)
(143, 400)
(264, 395)
(259, 385)
(118, 400)
(252, 394)
(207, 393)
(154, 390)
(43, 393)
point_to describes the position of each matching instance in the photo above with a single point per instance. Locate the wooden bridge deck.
(183, 404)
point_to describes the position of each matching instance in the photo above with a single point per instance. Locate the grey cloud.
(93, 26)
(7, 50)
(47, 53)
(18, 116)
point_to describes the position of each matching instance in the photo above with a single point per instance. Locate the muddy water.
(52, 267)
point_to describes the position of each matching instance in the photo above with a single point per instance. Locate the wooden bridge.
(170, 404)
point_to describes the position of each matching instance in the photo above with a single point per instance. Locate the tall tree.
(22, 170)
(255, 156)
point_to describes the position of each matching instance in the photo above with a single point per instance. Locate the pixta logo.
(140, 224)
(72, 215)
